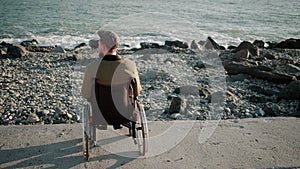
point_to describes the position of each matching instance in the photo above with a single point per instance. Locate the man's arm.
(138, 86)
(88, 80)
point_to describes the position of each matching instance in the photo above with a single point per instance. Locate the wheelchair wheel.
(93, 137)
(142, 136)
(86, 132)
(86, 153)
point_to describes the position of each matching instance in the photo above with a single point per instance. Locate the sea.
(68, 23)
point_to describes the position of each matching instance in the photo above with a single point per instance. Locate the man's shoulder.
(92, 67)
(94, 64)
(127, 61)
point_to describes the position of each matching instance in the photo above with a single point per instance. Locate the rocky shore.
(203, 80)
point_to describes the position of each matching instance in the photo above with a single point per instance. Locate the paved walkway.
(247, 143)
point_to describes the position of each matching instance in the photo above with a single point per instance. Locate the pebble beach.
(43, 86)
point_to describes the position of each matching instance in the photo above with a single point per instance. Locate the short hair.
(109, 38)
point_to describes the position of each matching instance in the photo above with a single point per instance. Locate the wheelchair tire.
(86, 132)
(93, 136)
(142, 131)
(87, 147)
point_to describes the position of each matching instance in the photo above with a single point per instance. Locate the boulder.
(28, 43)
(271, 44)
(259, 43)
(255, 71)
(125, 45)
(58, 49)
(289, 44)
(291, 91)
(16, 50)
(211, 44)
(81, 45)
(177, 105)
(4, 44)
(253, 50)
(149, 45)
(94, 43)
(231, 47)
(177, 43)
(244, 53)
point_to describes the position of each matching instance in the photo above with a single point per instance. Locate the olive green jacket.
(111, 69)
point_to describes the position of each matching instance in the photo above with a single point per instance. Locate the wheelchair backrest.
(115, 101)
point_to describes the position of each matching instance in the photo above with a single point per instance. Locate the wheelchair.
(118, 106)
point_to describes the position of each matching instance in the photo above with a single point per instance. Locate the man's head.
(108, 43)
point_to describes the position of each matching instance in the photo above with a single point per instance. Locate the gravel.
(44, 88)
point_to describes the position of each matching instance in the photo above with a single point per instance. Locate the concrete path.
(247, 143)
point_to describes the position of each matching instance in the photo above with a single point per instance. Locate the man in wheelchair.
(111, 86)
(104, 79)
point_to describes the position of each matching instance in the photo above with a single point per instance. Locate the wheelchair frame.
(138, 129)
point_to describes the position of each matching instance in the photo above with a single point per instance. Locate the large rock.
(80, 46)
(259, 43)
(211, 44)
(94, 43)
(259, 72)
(4, 44)
(244, 53)
(149, 45)
(289, 44)
(291, 91)
(16, 50)
(28, 43)
(177, 105)
(271, 44)
(58, 49)
(247, 46)
(177, 43)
